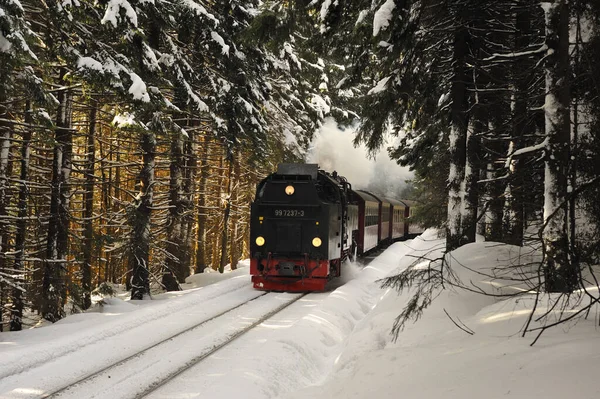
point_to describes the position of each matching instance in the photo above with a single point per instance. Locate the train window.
(371, 215)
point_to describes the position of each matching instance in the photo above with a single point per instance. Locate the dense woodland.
(132, 133)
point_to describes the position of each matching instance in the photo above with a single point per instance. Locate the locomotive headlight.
(289, 190)
(260, 241)
(316, 242)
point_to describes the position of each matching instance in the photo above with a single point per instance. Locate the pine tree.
(16, 38)
(299, 72)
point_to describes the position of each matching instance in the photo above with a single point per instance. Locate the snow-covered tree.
(16, 38)
(300, 71)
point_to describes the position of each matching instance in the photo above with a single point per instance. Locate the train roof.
(396, 202)
(366, 196)
(380, 198)
(410, 202)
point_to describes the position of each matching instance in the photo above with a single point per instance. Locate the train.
(305, 222)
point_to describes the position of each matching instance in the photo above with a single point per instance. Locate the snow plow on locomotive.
(305, 222)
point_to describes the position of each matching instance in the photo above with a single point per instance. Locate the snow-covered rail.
(212, 299)
(154, 366)
(157, 384)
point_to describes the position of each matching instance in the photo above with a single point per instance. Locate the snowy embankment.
(335, 344)
(435, 359)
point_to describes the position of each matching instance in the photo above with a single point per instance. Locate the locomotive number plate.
(289, 213)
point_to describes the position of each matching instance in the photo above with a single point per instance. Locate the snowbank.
(435, 359)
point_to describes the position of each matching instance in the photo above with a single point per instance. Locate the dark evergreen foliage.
(481, 89)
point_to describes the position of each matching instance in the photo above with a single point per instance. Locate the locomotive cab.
(298, 229)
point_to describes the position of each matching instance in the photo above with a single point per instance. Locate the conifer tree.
(16, 38)
(587, 86)
(299, 71)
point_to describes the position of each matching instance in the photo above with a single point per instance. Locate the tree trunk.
(178, 263)
(55, 265)
(88, 213)
(226, 213)
(496, 189)
(175, 245)
(5, 144)
(114, 264)
(514, 213)
(560, 272)
(215, 234)
(471, 197)
(575, 149)
(458, 137)
(104, 204)
(236, 243)
(201, 257)
(16, 319)
(5, 140)
(140, 239)
(188, 189)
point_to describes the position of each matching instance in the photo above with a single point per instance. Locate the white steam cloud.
(332, 149)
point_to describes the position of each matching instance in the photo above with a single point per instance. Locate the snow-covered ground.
(327, 345)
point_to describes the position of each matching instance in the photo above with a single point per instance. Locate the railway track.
(31, 358)
(154, 366)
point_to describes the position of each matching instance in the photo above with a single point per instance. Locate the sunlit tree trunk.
(55, 267)
(458, 136)
(5, 144)
(177, 262)
(201, 256)
(16, 320)
(190, 149)
(226, 213)
(236, 241)
(140, 238)
(6, 131)
(471, 187)
(118, 193)
(560, 272)
(217, 229)
(88, 214)
(177, 208)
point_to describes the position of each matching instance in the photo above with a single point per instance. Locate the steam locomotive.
(306, 222)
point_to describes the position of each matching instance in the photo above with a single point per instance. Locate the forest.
(133, 132)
